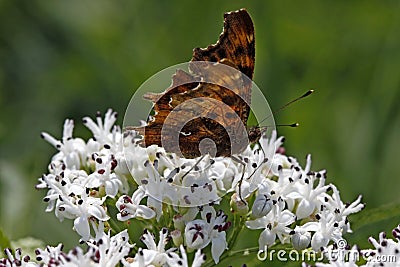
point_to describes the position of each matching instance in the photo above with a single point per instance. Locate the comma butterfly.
(200, 124)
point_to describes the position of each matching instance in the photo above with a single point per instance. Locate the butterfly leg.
(244, 163)
(194, 166)
(241, 178)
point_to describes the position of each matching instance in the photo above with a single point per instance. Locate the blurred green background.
(68, 59)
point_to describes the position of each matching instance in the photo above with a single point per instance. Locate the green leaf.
(372, 216)
(370, 222)
(28, 245)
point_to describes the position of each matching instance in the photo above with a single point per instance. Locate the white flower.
(223, 172)
(16, 259)
(156, 188)
(50, 254)
(301, 239)
(155, 254)
(77, 257)
(180, 182)
(102, 131)
(198, 189)
(262, 205)
(129, 207)
(275, 223)
(254, 165)
(339, 209)
(130, 156)
(306, 194)
(326, 229)
(218, 244)
(175, 260)
(283, 187)
(104, 250)
(67, 184)
(109, 250)
(196, 234)
(104, 176)
(384, 249)
(211, 228)
(270, 145)
(82, 209)
(133, 157)
(72, 151)
(137, 261)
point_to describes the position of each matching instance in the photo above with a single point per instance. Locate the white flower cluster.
(181, 199)
(103, 250)
(386, 252)
(296, 205)
(81, 175)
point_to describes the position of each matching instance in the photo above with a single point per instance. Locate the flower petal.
(145, 212)
(81, 225)
(218, 246)
(266, 239)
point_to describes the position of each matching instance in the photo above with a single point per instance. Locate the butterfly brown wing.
(236, 44)
(195, 103)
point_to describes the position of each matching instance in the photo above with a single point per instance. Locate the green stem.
(243, 251)
(238, 226)
(115, 226)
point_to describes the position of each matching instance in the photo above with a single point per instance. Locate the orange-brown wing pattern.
(190, 110)
(236, 43)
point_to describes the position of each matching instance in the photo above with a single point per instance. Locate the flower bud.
(177, 238)
(179, 222)
(305, 209)
(196, 236)
(238, 206)
(262, 205)
(301, 239)
(266, 239)
(318, 242)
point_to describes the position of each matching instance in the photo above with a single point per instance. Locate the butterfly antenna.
(288, 125)
(309, 92)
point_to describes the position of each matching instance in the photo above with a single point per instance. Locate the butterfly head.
(254, 133)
